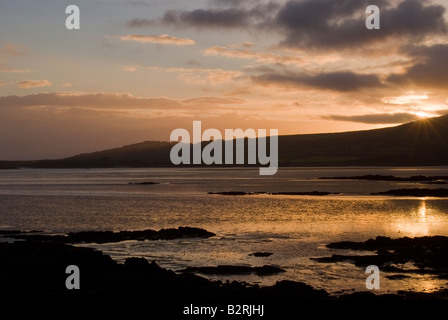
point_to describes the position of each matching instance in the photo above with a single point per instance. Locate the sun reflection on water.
(416, 225)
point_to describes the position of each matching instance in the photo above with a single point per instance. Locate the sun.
(422, 114)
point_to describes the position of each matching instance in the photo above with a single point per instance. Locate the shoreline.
(35, 267)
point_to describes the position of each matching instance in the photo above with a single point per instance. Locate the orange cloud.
(28, 84)
(129, 68)
(246, 53)
(202, 76)
(5, 69)
(160, 39)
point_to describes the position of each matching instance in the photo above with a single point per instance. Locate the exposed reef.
(415, 192)
(429, 255)
(231, 270)
(110, 236)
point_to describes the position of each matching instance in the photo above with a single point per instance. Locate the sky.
(138, 69)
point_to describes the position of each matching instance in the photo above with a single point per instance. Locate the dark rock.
(397, 277)
(309, 193)
(415, 192)
(428, 254)
(237, 270)
(370, 177)
(109, 236)
(143, 183)
(369, 296)
(284, 290)
(235, 193)
(36, 270)
(261, 254)
(243, 193)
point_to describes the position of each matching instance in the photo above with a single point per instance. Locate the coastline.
(35, 268)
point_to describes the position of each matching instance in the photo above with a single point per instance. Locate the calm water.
(293, 228)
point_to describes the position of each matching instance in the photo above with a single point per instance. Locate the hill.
(422, 142)
(419, 143)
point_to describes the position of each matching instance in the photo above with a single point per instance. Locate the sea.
(293, 228)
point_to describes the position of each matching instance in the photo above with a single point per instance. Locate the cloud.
(429, 70)
(203, 76)
(315, 24)
(105, 101)
(229, 18)
(70, 123)
(129, 68)
(338, 24)
(381, 118)
(159, 39)
(213, 101)
(28, 84)
(244, 51)
(5, 69)
(335, 81)
(96, 100)
(201, 18)
(193, 62)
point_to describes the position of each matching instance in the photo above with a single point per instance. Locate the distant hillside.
(419, 143)
(423, 142)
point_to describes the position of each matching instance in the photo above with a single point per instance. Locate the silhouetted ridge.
(419, 143)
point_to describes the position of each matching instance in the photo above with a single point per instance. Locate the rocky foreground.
(110, 236)
(36, 268)
(429, 255)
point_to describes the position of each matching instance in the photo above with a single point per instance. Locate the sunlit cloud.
(203, 76)
(246, 53)
(5, 69)
(410, 98)
(159, 39)
(28, 84)
(423, 114)
(129, 68)
(384, 118)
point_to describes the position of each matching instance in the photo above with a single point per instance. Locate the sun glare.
(422, 114)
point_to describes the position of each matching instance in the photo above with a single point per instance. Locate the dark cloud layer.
(430, 69)
(203, 18)
(228, 18)
(340, 24)
(382, 118)
(336, 81)
(318, 24)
